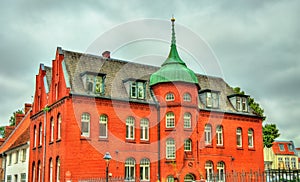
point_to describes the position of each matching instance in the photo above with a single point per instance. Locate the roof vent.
(106, 54)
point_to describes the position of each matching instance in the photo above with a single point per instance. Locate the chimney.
(106, 54)
(19, 118)
(8, 131)
(27, 107)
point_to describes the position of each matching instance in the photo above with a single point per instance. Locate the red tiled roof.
(286, 150)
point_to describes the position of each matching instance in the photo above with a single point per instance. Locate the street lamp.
(107, 158)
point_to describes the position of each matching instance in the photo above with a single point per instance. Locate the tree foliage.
(270, 133)
(12, 121)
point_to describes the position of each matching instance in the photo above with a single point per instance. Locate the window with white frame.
(103, 126)
(145, 170)
(34, 136)
(170, 149)
(8, 178)
(170, 178)
(57, 169)
(219, 132)
(144, 129)
(99, 86)
(17, 156)
(85, 124)
(40, 134)
(137, 90)
(241, 103)
(293, 163)
(130, 122)
(287, 162)
(170, 120)
(280, 163)
(170, 96)
(281, 147)
(209, 168)
(93, 82)
(290, 147)
(39, 175)
(59, 126)
(130, 169)
(212, 99)
(23, 177)
(239, 141)
(207, 133)
(250, 138)
(189, 178)
(9, 159)
(51, 129)
(187, 120)
(187, 97)
(33, 172)
(23, 155)
(188, 145)
(221, 171)
(50, 170)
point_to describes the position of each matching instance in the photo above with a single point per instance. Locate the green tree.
(2, 131)
(12, 122)
(270, 133)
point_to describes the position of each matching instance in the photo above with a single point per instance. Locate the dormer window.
(210, 98)
(93, 82)
(135, 88)
(281, 147)
(239, 102)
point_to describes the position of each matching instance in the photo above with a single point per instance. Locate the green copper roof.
(173, 69)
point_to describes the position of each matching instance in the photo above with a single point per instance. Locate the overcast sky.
(256, 44)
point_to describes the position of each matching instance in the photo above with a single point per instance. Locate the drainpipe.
(45, 110)
(157, 106)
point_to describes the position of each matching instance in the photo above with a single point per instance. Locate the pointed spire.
(173, 31)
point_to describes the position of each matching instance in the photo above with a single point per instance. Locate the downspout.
(46, 109)
(4, 171)
(157, 106)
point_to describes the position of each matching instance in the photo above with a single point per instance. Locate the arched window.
(170, 96)
(189, 178)
(207, 132)
(34, 136)
(219, 132)
(33, 172)
(39, 175)
(51, 129)
(58, 126)
(130, 122)
(187, 97)
(187, 120)
(221, 171)
(50, 170)
(170, 178)
(40, 134)
(250, 138)
(170, 149)
(187, 145)
(85, 124)
(130, 169)
(103, 126)
(145, 169)
(239, 141)
(170, 120)
(209, 168)
(57, 169)
(144, 129)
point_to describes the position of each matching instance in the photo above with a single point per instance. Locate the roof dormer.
(93, 83)
(239, 102)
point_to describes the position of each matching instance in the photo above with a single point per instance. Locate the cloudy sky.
(256, 44)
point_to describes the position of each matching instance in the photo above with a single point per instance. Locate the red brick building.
(158, 123)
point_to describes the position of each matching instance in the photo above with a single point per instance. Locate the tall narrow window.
(50, 170)
(170, 96)
(33, 172)
(133, 90)
(212, 99)
(24, 155)
(8, 178)
(287, 162)
(239, 142)
(141, 90)
(187, 97)
(51, 129)
(244, 104)
(34, 136)
(144, 129)
(187, 145)
(40, 134)
(99, 86)
(145, 170)
(57, 169)
(103, 126)
(219, 132)
(58, 126)
(170, 120)
(130, 128)
(187, 120)
(85, 124)
(130, 169)
(250, 138)
(137, 90)
(209, 170)
(170, 149)
(221, 171)
(238, 104)
(39, 175)
(293, 163)
(207, 132)
(23, 177)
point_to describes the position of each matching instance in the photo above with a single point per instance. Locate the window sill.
(173, 161)
(220, 147)
(145, 141)
(33, 148)
(251, 149)
(208, 146)
(50, 143)
(103, 139)
(170, 129)
(84, 138)
(187, 129)
(130, 141)
(239, 148)
(58, 140)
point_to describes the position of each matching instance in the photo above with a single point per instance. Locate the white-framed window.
(144, 129)
(17, 157)
(23, 155)
(170, 96)
(34, 136)
(187, 120)
(207, 132)
(130, 169)
(170, 178)
(242, 104)
(8, 178)
(219, 132)
(281, 147)
(287, 162)
(9, 159)
(99, 86)
(280, 163)
(103, 121)
(137, 90)
(39, 175)
(209, 168)
(50, 170)
(250, 138)
(212, 99)
(85, 124)
(221, 171)
(187, 97)
(293, 163)
(290, 147)
(130, 126)
(23, 177)
(239, 141)
(189, 178)
(170, 149)
(188, 145)
(40, 134)
(51, 129)
(94, 83)
(145, 170)
(57, 169)
(59, 126)
(33, 172)
(170, 120)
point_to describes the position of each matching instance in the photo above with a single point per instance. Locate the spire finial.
(173, 31)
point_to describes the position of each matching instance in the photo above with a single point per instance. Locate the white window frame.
(51, 170)
(85, 119)
(189, 178)
(57, 174)
(130, 128)
(144, 129)
(35, 136)
(212, 99)
(130, 169)
(99, 87)
(103, 126)
(59, 120)
(293, 163)
(188, 145)
(170, 149)
(51, 129)
(170, 120)
(208, 134)
(221, 171)
(287, 163)
(145, 169)
(187, 117)
(239, 138)
(209, 168)
(23, 177)
(40, 134)
(250, 138)
(170, 96)
(187, 97)
(219, 132)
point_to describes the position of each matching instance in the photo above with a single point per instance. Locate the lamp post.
(107, 158)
